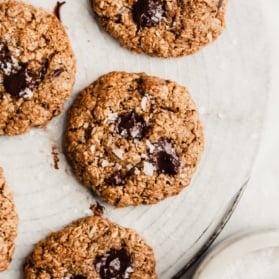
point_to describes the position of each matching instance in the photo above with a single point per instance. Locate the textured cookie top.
(8, 224)
(37, 67)
(91, 248)
(162, 27)
(134, 139)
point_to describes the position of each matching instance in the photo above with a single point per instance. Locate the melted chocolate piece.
(5, 56)
(88, 132)
(116, 179)
(148, 13)
(131, 125)
(78, 277)
(57, 72)
(220, 4)
(164, 157)
(57, 9)
(18, 80)
(17, 83)
(43, 71)
(115, 264)
(3, 50)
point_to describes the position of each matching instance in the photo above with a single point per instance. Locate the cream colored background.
(259, 207)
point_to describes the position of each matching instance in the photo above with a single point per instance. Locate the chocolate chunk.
(18, 80)
(15, 83)
(78, 277)
(57, 9)
(148, 13)
(57, 72)
(220, 4)
(8, 64)
(164, 157)
(131, 125)
(116, 179)
(4, 51)
(42, 71)
(88, 133)
(114, 264)
(19, 84)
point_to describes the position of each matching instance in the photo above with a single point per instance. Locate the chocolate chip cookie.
(37, 67)
(8, 224)
(92, 248)
(134, 139)
(162, 28)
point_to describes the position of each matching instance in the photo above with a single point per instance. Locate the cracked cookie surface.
(8, 223)
(37, 67)
(133, 138)
(91, 248)
(164, 28)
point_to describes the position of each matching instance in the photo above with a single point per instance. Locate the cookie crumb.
(57, 9)
(97, 209)
(55, 155)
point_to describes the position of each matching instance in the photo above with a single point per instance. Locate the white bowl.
(251, 255)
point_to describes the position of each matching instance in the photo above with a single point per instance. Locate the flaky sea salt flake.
(144, 102)
(127, 272)
(129, 167)
(148, 168)
(92, 148)
(150, 146)
(105, 163)
(26, 93)
(136, 171)
(112, 116)
(135, 131)
(119, 153)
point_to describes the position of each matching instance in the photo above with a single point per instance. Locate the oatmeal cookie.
(164, 28)
(133, 138)
(37, 67)
(8, 224)
(92, 248)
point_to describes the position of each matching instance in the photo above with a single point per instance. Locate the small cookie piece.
(162, 28)
(8, 224)
(37, 67)
(134, 139)
(92, 248)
